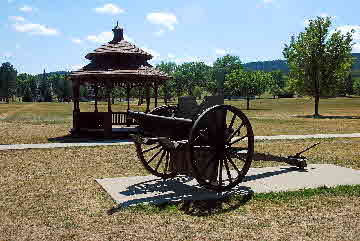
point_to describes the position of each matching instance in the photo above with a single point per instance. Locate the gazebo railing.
(121, 118)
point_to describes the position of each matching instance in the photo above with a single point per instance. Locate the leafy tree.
(7, 80)
(356, 86)
(46, 90)
(276, 83)
(319, 61)
(221, 67)
(27, 96)
(247, 83)
(189, 75)
(167, 90)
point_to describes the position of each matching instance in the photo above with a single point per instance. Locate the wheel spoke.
(167, 162)
(237, 140)
(154, 156)
(232, 163)
(152, 148)
(236, 131)
(201, 134)
(228, 170)
(161, 158)
(209, 163)
(220, 173)
(232, 121)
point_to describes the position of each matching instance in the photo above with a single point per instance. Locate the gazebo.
(117, 64)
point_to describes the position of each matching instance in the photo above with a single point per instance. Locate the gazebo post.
(76, 111)
(165, 93)
(156, 93)
(108, 94)
(128, 96)
(147, 99)
(96, 88)
(108, 116)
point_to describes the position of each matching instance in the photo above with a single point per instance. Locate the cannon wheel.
(221, 145)
(164, 110)
(155, 157)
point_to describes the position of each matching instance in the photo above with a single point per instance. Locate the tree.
(319, 61)
(276, 83)
(169, 87)
(247, 83)
(221, 67)
(189, 75)
(356, 86)
(7, 80)
(46, 90)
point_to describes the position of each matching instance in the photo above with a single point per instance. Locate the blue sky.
(56, 35)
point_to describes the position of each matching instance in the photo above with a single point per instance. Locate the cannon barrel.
(156, 125)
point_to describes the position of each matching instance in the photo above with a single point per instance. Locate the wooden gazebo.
(117, 64)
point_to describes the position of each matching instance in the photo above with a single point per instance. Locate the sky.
(56, 35)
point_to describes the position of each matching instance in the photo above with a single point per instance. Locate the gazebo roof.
(142, 72)
(121, 61)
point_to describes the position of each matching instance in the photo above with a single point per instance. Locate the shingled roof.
(119, 60)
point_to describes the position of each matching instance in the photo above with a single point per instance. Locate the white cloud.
(34, 28)
(106, 37)
(171, 56)
(356, 48)
(17, 18)
(109, 8)
(220, 52)
(161, 18)
(154, 53)
(160, 32)
(76, 40)
(265, 3)
(186, 59)
(347, 28)
(101, 38)
(26, 9)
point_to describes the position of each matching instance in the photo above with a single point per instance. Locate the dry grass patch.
(339, 151)
(51, 195)
(19, 122)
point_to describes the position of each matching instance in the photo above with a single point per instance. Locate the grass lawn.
(52, 195)
(37, 122)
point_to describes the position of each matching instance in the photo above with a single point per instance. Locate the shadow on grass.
(328, 117)
(178, 195)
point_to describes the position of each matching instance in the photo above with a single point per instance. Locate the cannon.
(213, 142)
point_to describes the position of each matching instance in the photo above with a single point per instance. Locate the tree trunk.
(247, 102)
(317, 93)
(317, 99)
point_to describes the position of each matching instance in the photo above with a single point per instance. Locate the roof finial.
(118, 33)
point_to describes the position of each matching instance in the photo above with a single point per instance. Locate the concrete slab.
(129, 191)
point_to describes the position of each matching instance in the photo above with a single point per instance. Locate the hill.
(268, 66)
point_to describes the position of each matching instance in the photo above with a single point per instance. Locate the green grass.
(241, 200)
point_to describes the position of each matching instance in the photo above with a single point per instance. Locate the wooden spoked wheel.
(155, 157)
(221, 145)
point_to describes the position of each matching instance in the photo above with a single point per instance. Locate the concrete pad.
(129, 191)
